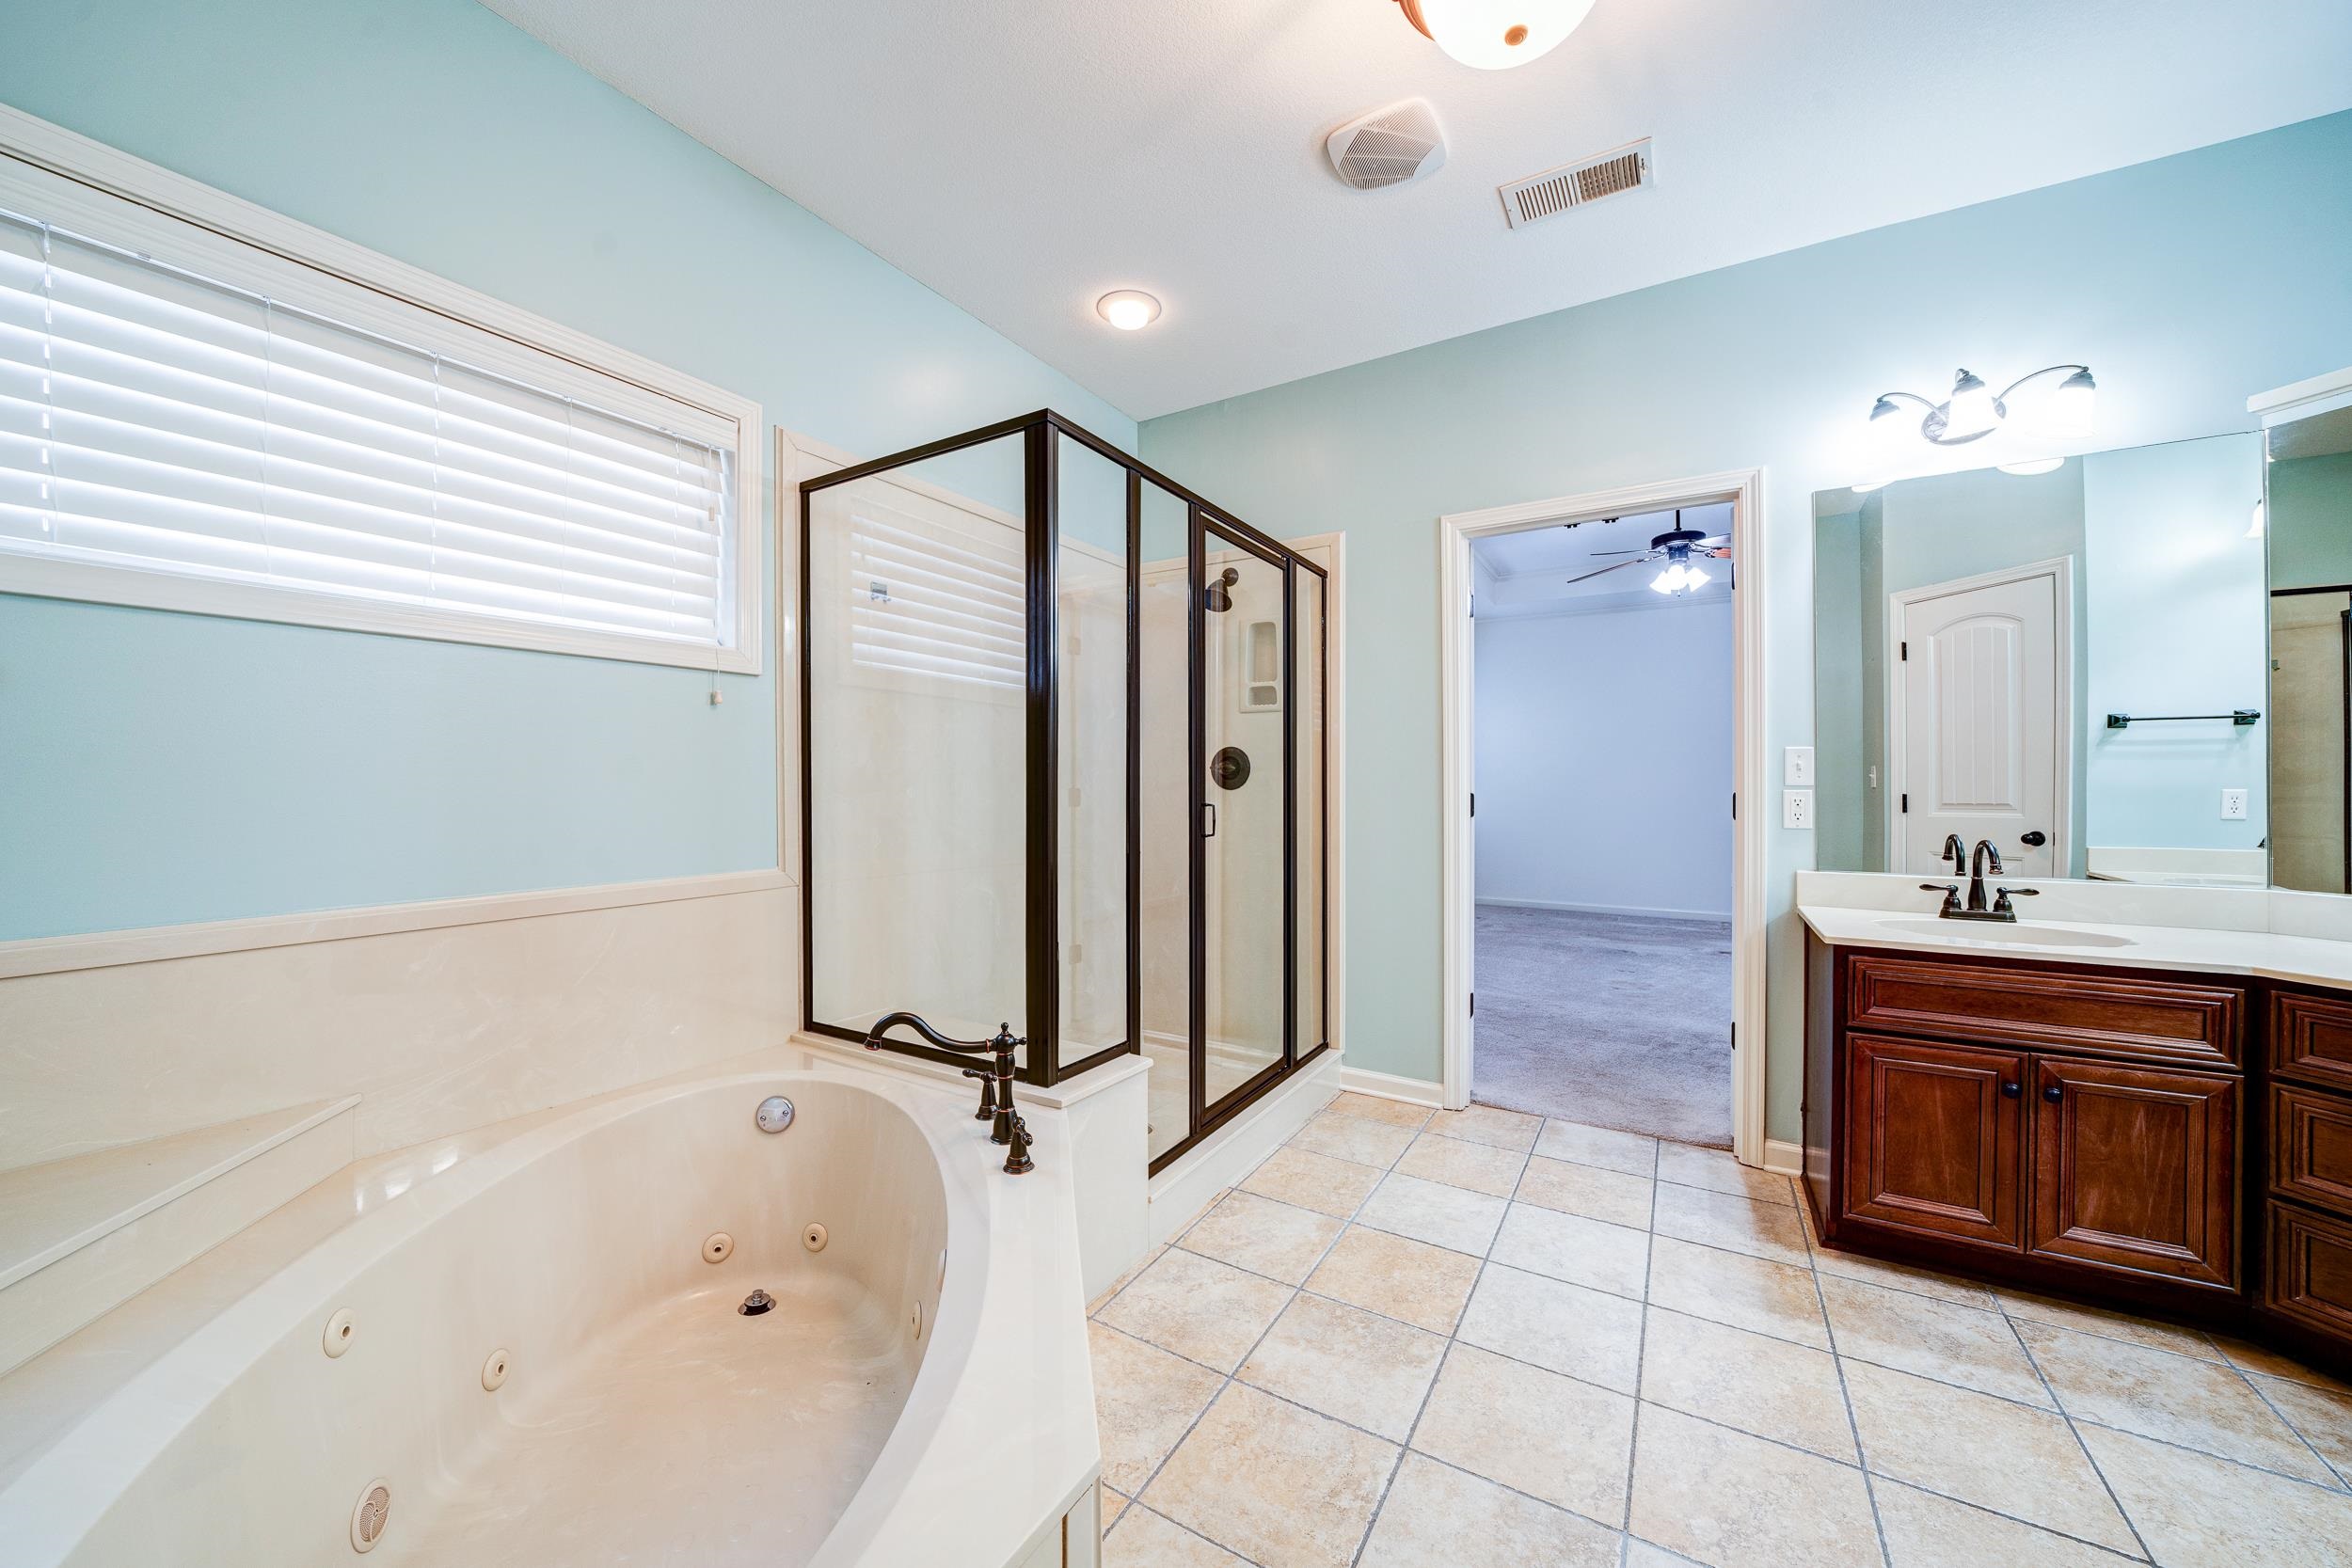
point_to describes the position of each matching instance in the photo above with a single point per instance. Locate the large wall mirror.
(2075, 664)
(2310, 529)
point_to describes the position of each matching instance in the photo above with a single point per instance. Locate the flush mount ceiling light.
(2061, 411)
(1128, 310)
(1495, 35)
(1681, 549)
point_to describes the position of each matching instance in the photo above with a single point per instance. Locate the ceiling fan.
(1679, 547)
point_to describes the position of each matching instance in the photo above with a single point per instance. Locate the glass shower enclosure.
(1062, 768)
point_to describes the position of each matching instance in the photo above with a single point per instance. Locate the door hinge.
(1473, 802)
(1735, 1036)
(1735, 805)
(1474, 1003)
(1906, 803)
(1905, 655)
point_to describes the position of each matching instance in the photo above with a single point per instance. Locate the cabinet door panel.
(2135, 1167)
(2311, 1038)
(1931, 1138)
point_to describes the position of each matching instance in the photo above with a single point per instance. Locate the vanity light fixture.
(2033, 465)
(1973, 411)
(2254, 528)
(1128, 310)
(1495, 35)
(1866, 486)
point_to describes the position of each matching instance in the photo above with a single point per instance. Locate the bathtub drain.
(756, 1302)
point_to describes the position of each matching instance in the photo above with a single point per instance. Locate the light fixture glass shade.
(1866, 486)
(1694, 579)
(2034, 466)
(1669, 580)
(1971, 411)
(2066, 413)
(1495, 35)
(1128, 310)
(2254, 530)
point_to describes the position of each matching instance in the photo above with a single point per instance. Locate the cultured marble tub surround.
(1481, 1340)
(919, 1393)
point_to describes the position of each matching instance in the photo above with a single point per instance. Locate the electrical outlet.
(1796, 809)
(2233, 805)
(1796, 766)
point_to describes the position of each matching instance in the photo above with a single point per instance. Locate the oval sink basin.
(2027, 935)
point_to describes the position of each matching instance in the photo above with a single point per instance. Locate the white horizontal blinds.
(935, 601)
(154, 420)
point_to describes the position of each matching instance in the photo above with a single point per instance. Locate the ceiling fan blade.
(1620, 552)
(1603, 572)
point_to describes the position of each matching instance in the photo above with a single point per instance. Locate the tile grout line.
(1845, 1390)
(1641, 1359)
(2289, 1422)
(1453, 1338)
(1135, 1499)
(2075, 1431)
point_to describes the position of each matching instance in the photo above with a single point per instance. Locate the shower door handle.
(1208, 820)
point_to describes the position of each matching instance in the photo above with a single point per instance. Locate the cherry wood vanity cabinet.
(2306, 1178)
(2173, 1141)
(2055, 1125)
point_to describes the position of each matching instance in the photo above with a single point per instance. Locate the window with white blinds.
(932, 601)
(171, 435)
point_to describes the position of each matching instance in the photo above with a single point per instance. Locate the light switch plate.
(2233, 805)
(1796, 809)
(1796, 766)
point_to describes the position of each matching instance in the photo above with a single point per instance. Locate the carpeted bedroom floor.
(1613, 1020)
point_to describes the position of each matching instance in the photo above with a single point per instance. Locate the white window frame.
(82, 186)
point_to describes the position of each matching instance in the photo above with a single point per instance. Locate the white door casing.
(1745, 490)
(1979, 718)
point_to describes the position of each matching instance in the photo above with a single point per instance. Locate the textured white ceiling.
(1022, 159)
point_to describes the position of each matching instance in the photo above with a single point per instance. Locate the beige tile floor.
(1478, 1339)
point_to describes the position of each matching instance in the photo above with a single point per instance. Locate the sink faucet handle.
(2001, 905)
(1951, 895)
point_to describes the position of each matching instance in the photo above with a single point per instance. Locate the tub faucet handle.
(988, 1092)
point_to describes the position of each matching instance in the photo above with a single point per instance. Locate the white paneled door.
(1979, 718)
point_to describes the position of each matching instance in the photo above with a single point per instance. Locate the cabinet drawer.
(2161, 1020)
(2311, 1268)
(2311, 1038)
(2311, 1147)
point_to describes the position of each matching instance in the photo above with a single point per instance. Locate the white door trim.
(1745, 490)
(2061, 570)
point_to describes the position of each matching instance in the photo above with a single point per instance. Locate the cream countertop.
(2219, 931)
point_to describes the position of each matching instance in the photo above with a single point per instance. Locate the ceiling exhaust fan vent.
(1556, 190)
(1394, 146)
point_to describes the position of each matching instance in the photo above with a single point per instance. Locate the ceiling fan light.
(1694, 579)
(1971, 410)
(1496, 35)
(1669, 580)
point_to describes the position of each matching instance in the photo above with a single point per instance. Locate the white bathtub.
(918, 1396)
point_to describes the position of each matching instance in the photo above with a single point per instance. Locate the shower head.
(1218, 595)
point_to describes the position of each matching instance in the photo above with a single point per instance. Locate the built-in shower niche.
(1063, 753)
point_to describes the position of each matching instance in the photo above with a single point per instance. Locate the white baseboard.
(1724, 915)
(1234, 1151)
(1413, 1092)
(1783, 1158)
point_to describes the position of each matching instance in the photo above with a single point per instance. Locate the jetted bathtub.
(529, 1357)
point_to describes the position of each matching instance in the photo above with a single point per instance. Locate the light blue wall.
(2187, 283)
(159, 767)
(2178, 623)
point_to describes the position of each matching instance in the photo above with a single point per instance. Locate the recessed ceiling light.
(1495, 35)
(1128, 310)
